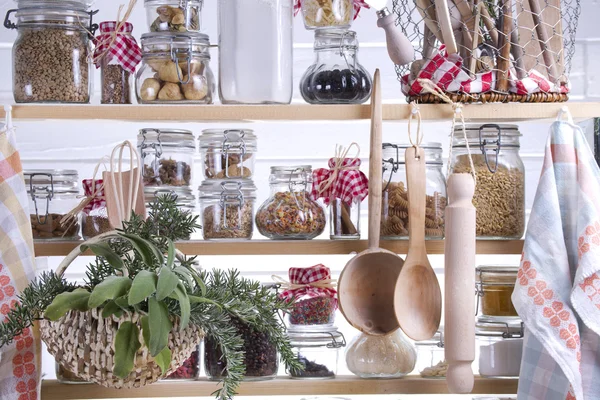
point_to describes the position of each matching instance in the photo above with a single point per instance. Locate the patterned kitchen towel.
(20, 370)
(558, 286)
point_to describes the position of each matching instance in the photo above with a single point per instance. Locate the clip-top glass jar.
(289, 212)
(318, 351)
(500, 187)
(500, 347)
(167, 156)
(319, 14)
(174, 15)
(52, 195)
(227, 208)
(431, 360)
(50, 55)
(495, 285)
(228, 153)
(336, 76)
(394, 213)
(175, 69)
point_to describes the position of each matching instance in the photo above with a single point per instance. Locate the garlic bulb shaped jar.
(389, 356)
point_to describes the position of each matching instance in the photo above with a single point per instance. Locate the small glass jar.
(394, 213)
(431, 360)
(167, 155)
(317, 351)
(500, 347)
(95, 215)
(50, 54)
(189, 370)
(495, 285)
(175, 69)
(336, 76)
(312, 313)
(63, 375)
(344, 219)
(390, 356)
(174, 15)
(319, 14)
(52, 195)
(228, 153)
(227, 208)
(289, 212)
(186, 201)
(500, 187)
(260, 355)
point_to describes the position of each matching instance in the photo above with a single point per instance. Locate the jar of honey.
(495, 285)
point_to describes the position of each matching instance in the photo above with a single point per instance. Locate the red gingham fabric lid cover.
(305, 276)
(88, 189)
(358, 4)
(349, 184)
(125, 48)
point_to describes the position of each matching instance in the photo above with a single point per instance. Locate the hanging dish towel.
(558, 286)
(20, 361)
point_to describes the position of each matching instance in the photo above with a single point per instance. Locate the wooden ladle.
(418, 298)
(367, 283)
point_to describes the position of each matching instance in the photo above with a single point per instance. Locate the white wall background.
(79, 144)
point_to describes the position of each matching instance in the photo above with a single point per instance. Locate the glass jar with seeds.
(394, 213)
(174, 15)
(318, 351)
(228, 153)
(52, 195)
(167, 156)
(227, 208)
(500, 186)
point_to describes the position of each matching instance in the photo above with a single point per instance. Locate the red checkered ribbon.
(121, 45)
(445, 70)
(313, 281)
(94, 190)
(358, 4)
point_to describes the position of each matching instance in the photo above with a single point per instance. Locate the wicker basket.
(83, 343)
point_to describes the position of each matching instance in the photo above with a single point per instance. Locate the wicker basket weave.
(83, 343)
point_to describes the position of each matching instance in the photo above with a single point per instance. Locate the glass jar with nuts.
(50, 55)
(167, 155)
(52, 196)
(227, 208)
(174, 15)
(228, 153)
(175, 69)
(394, 213)
(500, 185)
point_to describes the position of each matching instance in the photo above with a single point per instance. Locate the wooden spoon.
(418, 298)
(368, 281)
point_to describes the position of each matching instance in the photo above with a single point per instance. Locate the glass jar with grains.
(173, 15)
(495, 285)
(228, 153)
(336, 76)
(167, 156)
(50, 54)
(289, 212)
(500, 187)
(175, 69)
(227, 208)
(52, 195)
(394, 213)
(319, 14)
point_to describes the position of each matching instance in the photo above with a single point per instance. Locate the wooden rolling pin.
(459, 326)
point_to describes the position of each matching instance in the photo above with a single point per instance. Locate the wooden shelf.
(391, 112)
(274, 247)
(53, 390)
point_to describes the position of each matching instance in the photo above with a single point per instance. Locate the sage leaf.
(163, 359)
(111, 308)
(146, 331)
(200, 300)
(167, 282)
(160, 325)
(184, 306)
(199, 282)
(145, 249)
(171, 254)
(109, 289)
(127, 344)
(123, 303)
(185, 273)
(104, 250)
(144, 285)
(65, 302)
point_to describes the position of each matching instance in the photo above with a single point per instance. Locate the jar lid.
(182, 42)
(487, 136)
(330, 338)
(185, 197)
(166, 138)
(335, 38)
(148, 3)
(60, 181)
(436, 340)
(291, 170)
(233, 139)
(394, 152)
(216, 189)
(498, 327)
(81, 4)
(52, 13)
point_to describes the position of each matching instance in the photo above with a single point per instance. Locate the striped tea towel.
(558, 287)
(20, 361)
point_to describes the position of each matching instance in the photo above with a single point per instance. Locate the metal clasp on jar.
(49, 195)
(175, 57)
(394, 163)
(156, 147)
(231, 194)
(484, 142)
(237, 137)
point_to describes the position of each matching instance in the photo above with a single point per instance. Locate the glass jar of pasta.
(319, 14)
(394, 213)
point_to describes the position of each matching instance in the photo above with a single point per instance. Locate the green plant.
(138, 270)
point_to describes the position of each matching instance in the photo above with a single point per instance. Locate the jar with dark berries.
(336, 76)
(260, 354)
(189, 370)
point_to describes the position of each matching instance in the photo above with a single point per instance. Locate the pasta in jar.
(327, 13)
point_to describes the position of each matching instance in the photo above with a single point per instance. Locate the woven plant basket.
(83, 343)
